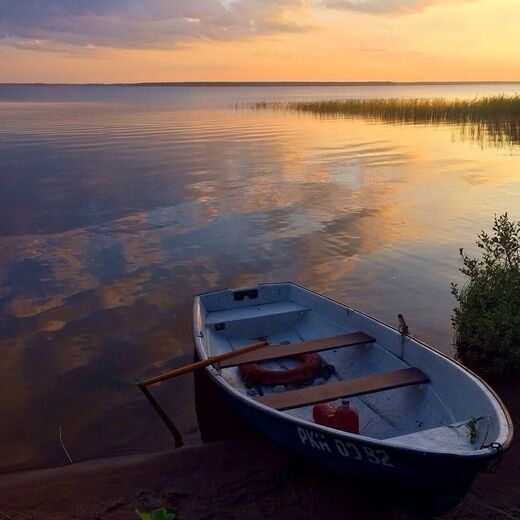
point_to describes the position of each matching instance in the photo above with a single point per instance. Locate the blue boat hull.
(447, 477)
(438, 463)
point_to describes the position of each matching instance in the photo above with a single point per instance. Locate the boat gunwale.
(483, 453)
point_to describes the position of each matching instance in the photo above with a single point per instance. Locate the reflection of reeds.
(497, 116)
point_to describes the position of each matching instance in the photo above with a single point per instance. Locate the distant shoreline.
(265, 84)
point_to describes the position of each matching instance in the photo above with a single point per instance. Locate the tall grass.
(496, 116)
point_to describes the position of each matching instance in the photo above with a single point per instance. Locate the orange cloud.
(385, 6)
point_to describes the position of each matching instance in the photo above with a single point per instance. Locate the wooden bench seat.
(267, 310)
(292, 349)
(344, 389)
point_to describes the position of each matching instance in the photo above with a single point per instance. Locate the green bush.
(487, 319)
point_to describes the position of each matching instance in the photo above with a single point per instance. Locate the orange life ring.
(309, 367)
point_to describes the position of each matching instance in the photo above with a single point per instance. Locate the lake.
(119, 204)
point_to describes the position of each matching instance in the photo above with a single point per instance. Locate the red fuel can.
(323, 413)
(345, 418)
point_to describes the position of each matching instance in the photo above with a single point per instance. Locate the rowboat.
(424, 419)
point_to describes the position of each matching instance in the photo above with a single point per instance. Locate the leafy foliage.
(487, 320)
(471, 425)
(156, 514)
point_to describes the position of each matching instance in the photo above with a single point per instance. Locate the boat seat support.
(344, 389)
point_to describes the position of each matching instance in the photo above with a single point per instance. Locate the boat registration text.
(346, 449)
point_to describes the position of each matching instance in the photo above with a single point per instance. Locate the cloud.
(79, 25)
(378, 6)
(47, 24)
(386, 6)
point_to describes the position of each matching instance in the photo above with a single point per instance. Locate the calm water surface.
(118, 204)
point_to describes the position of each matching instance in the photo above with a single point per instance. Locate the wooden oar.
(204, 363)
(177, 437)
(185, 370)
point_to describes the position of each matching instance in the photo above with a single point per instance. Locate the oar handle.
(204, 363)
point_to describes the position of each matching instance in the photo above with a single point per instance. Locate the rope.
(493, 467)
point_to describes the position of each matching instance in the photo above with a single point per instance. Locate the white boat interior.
(439, 406)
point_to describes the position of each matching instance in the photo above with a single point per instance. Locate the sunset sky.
(258, 40)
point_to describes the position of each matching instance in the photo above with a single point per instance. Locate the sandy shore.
(246, 479)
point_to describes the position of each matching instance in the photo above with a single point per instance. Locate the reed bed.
(495, 116)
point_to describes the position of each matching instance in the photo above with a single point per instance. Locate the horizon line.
(262, 83)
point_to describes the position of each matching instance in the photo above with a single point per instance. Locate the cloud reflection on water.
(113, 218)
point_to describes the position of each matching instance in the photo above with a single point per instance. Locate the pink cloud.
(141, 23)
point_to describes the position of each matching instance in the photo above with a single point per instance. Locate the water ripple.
(114, 214)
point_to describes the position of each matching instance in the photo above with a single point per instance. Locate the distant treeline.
(496, 116)
(265, 84)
